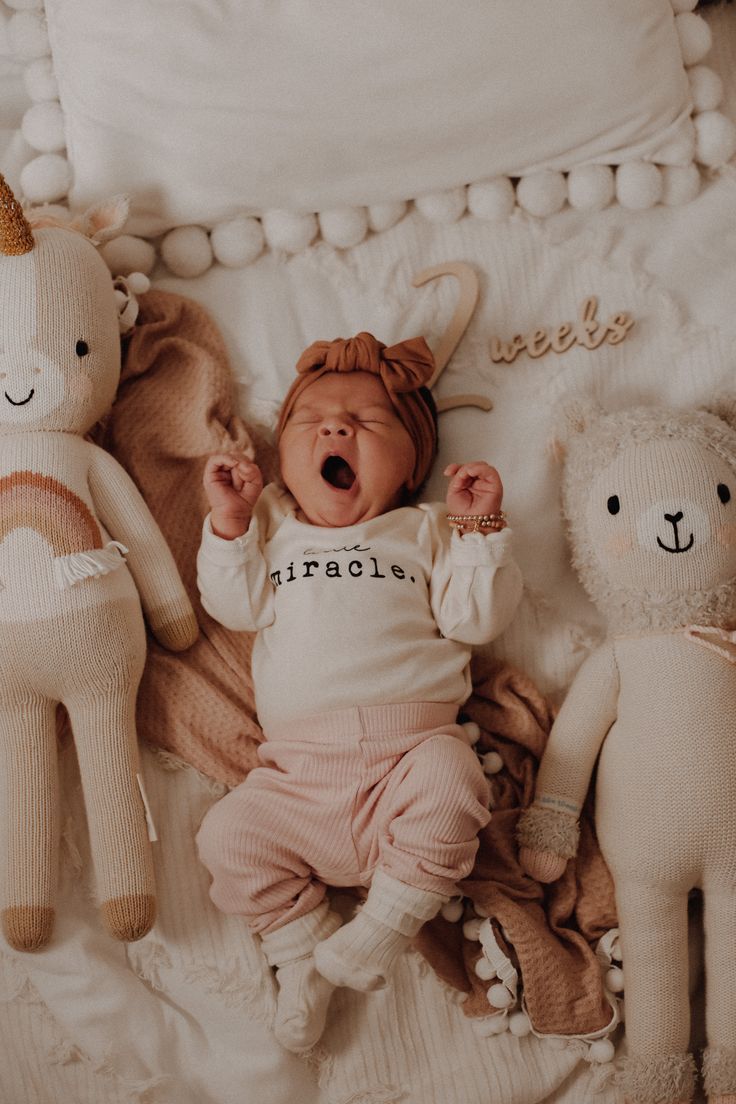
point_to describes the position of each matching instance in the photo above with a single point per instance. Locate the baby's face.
(345, 453)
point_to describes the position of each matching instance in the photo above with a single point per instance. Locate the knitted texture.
(650, 500)
(549, 830)
(73, 630)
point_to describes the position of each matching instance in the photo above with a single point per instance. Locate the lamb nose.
(674, 518)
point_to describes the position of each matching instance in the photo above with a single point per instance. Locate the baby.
(365, 609)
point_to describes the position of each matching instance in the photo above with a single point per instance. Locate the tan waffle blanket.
(175, 406)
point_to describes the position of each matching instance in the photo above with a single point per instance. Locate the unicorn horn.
(16, 236)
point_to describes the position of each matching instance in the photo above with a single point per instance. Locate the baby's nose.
(336, 427)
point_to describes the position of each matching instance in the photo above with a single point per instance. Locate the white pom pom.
(471, 929)
(484, 970)
(452, 911)
(615, 979)
(499, 996)
(121, 298)
(715, 141)
(492, 762)
(684, 5)
(638, 185)
(138, 283)
(706, 88)
(46, 179)
(237, 242)
(493, 200)
(519, 1024)
(288, 230)
(442, 206)
(601, 1050)
(695, 35)
(126, 254)
(491, 1025)
(591, 187)
(681, 183)
(186, 251)
(472, 732)
(344, 227)
(382, 216)
(27, 35)
(43, 127)
(24, 5)
(542, 193)
(40, 81)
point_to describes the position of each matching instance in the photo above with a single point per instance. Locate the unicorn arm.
(122, 510)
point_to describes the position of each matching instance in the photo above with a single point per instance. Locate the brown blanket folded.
(175, 406)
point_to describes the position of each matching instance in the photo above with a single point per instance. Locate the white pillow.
(206, 108)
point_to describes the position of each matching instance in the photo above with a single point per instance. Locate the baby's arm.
(475, 585)
(232, 574)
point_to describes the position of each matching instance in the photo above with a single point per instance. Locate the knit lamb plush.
(650, 501)
(70, 608)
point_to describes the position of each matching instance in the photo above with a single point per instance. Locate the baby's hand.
(232, 484)
(475, 488)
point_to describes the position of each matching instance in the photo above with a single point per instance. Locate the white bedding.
(182, 1016)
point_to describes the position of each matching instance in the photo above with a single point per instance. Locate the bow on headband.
(404, 369)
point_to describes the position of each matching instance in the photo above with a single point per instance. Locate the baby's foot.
(361, 954)
(303, 1000)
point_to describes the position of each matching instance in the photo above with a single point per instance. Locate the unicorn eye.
(723, 493)
(613, 504)
(82, 348)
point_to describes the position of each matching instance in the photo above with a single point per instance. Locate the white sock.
(362, 954)
(304, 995)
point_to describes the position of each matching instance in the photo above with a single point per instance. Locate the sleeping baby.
(365, 609)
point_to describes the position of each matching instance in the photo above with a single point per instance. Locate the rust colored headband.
(404, 369)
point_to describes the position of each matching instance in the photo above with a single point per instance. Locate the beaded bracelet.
(474, 523)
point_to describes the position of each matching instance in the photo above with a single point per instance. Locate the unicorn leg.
(103, 724)
(29, 796)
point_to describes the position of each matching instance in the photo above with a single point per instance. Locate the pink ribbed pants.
(340, 794)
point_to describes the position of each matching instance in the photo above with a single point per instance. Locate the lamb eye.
(82, 348)
(613, 504)
(723, 493)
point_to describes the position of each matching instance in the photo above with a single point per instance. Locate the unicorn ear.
(724, 407)
(104, 220)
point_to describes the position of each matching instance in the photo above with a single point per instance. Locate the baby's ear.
(105, 220)
(724, 407)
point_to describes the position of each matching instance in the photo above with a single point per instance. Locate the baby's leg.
(251, 842)
(429, 818)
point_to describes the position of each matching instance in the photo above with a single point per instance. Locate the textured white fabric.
(204, 108)
(361, 605)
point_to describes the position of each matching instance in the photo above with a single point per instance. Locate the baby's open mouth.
(337, 472)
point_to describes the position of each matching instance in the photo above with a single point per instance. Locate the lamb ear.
(575, 416)
(724, 407)
(105, 220)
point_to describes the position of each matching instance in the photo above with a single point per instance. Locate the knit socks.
(362, 954)
(304, 995)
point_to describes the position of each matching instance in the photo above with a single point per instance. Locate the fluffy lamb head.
(649, 496)
(59, 327)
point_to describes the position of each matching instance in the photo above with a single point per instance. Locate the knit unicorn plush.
(650, 501)
(72, 630)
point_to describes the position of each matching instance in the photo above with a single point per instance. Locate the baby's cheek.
(619, 546)
(726, 535)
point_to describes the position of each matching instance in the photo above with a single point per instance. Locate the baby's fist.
(475, 488)
(232, 483)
